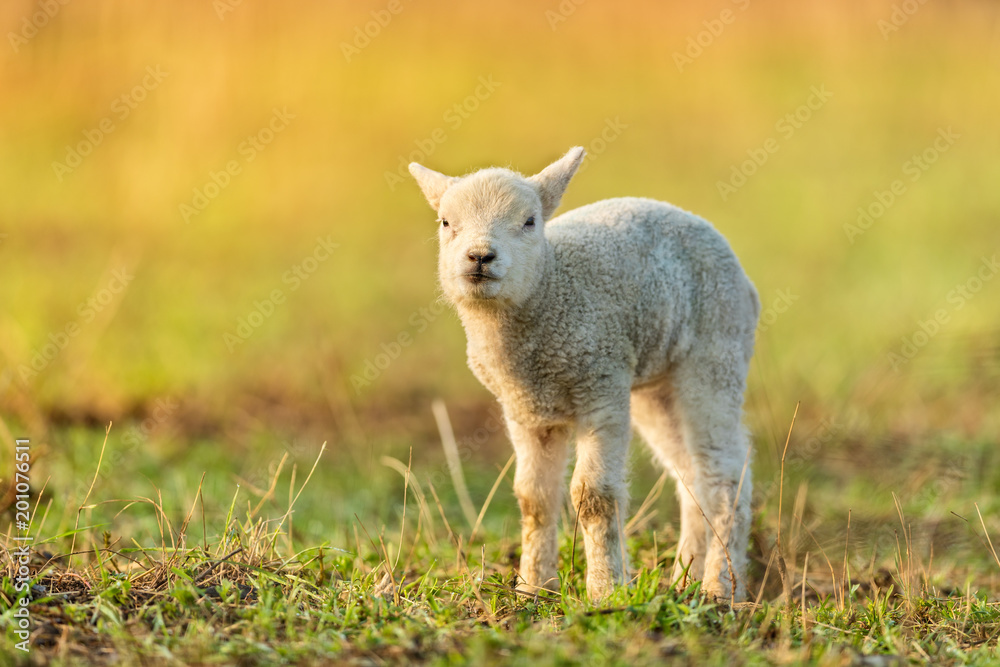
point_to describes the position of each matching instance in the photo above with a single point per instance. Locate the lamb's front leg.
(600, 496)
(538, 485)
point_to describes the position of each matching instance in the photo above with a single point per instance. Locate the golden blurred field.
(355, 108)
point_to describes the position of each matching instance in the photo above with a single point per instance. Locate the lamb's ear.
(432, 183)
(552, 181)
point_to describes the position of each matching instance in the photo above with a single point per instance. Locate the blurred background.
(208, 234)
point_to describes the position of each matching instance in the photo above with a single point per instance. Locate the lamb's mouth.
(477, 277)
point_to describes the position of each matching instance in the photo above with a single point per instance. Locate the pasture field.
(221, 334)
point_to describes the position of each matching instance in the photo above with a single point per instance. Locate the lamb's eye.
(529, 223)
(444, 223)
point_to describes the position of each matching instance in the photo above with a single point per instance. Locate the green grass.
(206, 563)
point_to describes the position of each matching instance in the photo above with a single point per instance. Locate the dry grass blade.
(805, 575)
(215, 564)
(795, 527)
(274, 484)
(444, 518)
(386, 562)
(418, 491)
(822, 551)
(845, 574)
(781, 478)
(986, 532)
(489, 498)
(204, 522)
(454, 461)
(291, 504)
(643, 514)
(182, 537)
(34, 511)
(83, 504)
(786, 584)
(540, 594)
(402, 521)
(760, 591)
(905, 567)
(390, 567)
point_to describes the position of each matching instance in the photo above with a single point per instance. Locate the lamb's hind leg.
(710, 397)
(538, 485)
(656, 417)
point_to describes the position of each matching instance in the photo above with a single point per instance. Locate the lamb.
(623, 311)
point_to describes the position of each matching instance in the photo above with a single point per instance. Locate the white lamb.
(625, 306)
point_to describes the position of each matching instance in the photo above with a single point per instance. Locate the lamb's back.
(654, 274)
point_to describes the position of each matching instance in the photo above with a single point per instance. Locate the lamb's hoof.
(600, 589)
(721, 595)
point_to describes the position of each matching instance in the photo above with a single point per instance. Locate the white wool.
(626, 311)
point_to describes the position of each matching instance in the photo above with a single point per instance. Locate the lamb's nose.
(480, 258)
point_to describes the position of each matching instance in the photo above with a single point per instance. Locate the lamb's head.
(491, 229)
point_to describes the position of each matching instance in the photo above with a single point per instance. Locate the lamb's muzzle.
(478, 273)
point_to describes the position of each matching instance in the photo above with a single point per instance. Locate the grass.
(277, 562)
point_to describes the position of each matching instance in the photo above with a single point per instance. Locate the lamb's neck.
(494, 326)
(490, 328)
